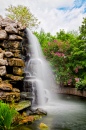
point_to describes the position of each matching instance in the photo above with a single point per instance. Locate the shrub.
(81, 85)
(6, 116)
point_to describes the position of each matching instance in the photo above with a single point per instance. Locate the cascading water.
(38, 72)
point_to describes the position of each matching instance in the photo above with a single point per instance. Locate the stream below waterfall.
(66, 113)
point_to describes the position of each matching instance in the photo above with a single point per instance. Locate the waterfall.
(38, 73)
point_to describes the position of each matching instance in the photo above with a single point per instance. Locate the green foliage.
(23, 15)
(82, 30)
(67, 54)
(81, 85)
(44, 38)
(6, 116)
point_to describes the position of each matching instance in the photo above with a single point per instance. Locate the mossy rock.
(22, 105)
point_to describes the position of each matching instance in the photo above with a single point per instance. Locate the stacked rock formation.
(11, 62)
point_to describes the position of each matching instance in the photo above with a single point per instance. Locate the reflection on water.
(66, 113)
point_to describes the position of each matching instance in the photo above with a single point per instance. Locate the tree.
(23, 15)
(82, 30)
(80, 55)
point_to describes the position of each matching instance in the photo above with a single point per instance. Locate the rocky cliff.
(12, 55)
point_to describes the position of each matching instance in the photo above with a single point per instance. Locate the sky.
(53, 15)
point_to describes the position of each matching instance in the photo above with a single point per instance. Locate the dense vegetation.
(67, 55)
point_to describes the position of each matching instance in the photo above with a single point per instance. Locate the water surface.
(66, 113)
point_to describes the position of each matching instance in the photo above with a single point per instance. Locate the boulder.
(22, 105)
(43, 126)
(14, 44)
(1, 51)
(21, 33)
(11, 29)
(18, 71)
(8, 54)
(2, 70)
(16, 90)
(9, 96)
(3, 44)
(15, 62)
(0, 80)
(20, 27)
(1, 55)
(3, 62)
(17, 53)
(5, 86)
(14, 78)
(3, 34)
(15, 37)
(8, 22)
(38, 111)
(27, 95)
(10, 45)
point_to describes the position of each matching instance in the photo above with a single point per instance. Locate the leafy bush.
(81, 85)
(6, 116)
(66, 53)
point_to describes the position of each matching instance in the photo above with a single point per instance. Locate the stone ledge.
(22, 105)
(71, 91)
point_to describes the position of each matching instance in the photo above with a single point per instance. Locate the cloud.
(55, 3)
(55, 20)
(53, 14)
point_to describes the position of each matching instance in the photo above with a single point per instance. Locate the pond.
(66, 113)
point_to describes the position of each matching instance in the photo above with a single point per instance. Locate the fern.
(6, 116)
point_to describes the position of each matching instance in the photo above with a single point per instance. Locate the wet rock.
(38, 111)
(11, 44)
(0, 79)
(22, 105)
(8, 22)
(14, 44)
(20, 27)
(9, 96)
(43, 126)
(27, 95)
(15, 37)
(8, 54)
(1, 55)
(15, 62)
(1, 51)
(11, 29)
(3, 34)
(3, 44)
(27, 119)
(5, 22)
(3, 62)
(20, 33)
(15, 90)
(13, 77)
(18, 71)
(17, 53)
(2, 70)
(5, 86)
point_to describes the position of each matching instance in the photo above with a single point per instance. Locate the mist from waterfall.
(39, 72)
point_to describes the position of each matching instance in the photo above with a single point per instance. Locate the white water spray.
(39, 72)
